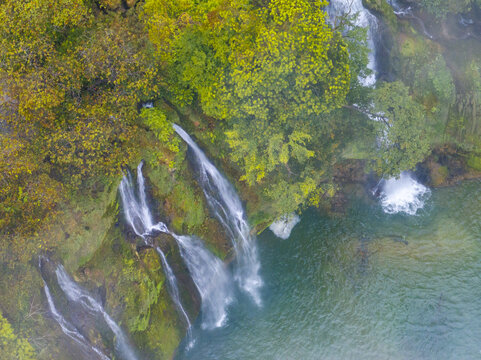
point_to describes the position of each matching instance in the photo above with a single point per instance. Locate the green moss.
(136, 294)
(84, 223)
(382, 8)
(474, 162)
(439, 175)
(189, 206)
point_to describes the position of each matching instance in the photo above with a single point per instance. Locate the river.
(368, 285)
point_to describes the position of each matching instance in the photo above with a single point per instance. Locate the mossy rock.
(136, 295)
(382, 8)
(438, 173)
(474, 162)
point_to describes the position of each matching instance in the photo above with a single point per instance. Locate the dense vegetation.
(271, 89)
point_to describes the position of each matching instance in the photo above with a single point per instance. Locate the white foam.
(282, 227)
(403, 195)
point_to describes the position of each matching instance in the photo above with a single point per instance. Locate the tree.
(272, 72)
(71, 85)
(13, 347)
(440, 8)
(404, 138)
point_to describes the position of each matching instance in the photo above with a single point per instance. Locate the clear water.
(347, 288)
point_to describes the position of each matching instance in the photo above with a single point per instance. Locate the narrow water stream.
(369, 285)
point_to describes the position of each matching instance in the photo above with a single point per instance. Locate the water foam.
(283, 226)
(404, 194)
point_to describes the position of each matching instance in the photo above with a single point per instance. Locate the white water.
(402, 195)
(398, 195)
(208, 272)
(364, 19)
(174, 293)
(226, 205)
(282, 227)
(78, 295)
(67, 328)
(211, 279)
(138, 215)
(136, 211)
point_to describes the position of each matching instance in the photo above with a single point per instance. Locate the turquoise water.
(343, 288)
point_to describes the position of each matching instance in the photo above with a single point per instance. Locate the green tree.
(404, 136)
(273, 72)
(13, 347)
(440, 8)
(71, 85)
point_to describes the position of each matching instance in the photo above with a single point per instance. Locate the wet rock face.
(350, 172)
(446, 167)
(186, 284)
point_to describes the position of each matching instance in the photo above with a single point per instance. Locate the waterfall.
(227, 207)
(69, 329)
(211, 279)
(174, 293)
(397, 195)
(402, 195)
(207, 271)
(78, 295)
(138, 215)
(364, 19)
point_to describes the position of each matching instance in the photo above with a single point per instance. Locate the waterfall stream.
(139, 217)
(209, 274)
(227, 207)
(403, 194)
(80, 296)
(211, 279)
(68, 328)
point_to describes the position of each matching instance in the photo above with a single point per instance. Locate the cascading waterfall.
(78, 295)
(211, 279)
(174, 292)
(364, 19)
(138, 215)
(397, 195)
(67, 328)
(226, 205)
(208, 273)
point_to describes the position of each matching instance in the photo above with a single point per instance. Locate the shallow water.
(351, 288)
